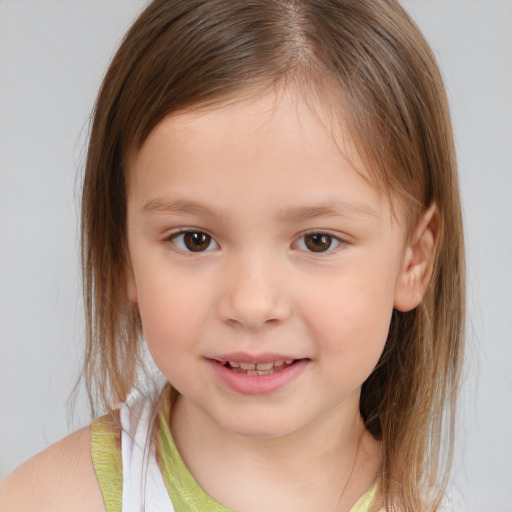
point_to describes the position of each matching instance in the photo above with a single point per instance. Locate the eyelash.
(183, 233)
(332, 239)
(302, 240)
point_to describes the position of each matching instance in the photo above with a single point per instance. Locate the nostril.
(253, 300)
(252, 321)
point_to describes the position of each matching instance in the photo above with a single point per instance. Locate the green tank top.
(185, 493)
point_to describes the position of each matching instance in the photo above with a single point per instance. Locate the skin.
(256, 178)
(59, 479)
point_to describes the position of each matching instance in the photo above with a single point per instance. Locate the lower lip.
(258, 384)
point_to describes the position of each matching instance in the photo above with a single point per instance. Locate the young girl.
(271, 205)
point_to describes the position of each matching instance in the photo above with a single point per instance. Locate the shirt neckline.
(185, 492)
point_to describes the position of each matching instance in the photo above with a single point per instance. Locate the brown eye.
(194, 241)
(197, 242)
(320, 242)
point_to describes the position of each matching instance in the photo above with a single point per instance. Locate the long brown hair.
(183, 54)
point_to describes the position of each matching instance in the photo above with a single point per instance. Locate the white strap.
(141, 475)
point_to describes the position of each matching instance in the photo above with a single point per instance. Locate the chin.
(258, 426)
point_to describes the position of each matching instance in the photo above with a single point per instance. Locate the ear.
(418, 263)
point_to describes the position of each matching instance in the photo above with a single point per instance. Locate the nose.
(255, 295)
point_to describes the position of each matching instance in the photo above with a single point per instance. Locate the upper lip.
(242, 357)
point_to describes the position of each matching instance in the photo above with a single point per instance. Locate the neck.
(325, 465)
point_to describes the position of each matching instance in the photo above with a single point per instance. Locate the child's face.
(252, 239)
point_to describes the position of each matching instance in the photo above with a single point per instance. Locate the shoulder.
(61, 478)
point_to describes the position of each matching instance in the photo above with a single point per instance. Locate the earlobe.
(418, 263)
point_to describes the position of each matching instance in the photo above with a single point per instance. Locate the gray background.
(52, 58)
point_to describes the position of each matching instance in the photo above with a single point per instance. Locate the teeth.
(259, 368)
(264, 366)
(259, 372)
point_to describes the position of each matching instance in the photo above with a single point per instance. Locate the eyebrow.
(181, 207)
(299, 213)
(329, 209)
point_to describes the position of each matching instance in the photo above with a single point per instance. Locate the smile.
(258, 368)
(257, 374)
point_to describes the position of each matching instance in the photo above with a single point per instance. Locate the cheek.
(357, 333)
(353, 344)
(172, 314)
(350, 317)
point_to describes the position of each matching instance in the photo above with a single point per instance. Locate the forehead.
(274, 144)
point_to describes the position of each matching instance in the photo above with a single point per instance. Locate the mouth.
(257, 374)
(266, 368)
